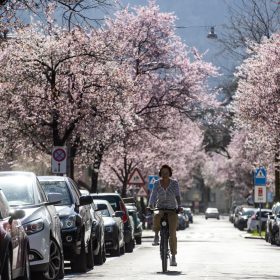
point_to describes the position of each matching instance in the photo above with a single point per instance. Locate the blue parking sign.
(260, 176)
(152, 179)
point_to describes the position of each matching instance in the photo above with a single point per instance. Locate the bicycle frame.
(164, 237)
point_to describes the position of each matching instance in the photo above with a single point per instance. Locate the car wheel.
(55, 262)
(138, 240)
(7, 268)
(79, 263)
(26, 274)
(117, 251)
(90, 259)
(122, 249)
(98, 259)
(129, 246)
(104, 253)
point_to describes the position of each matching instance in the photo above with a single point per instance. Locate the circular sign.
(59, 155)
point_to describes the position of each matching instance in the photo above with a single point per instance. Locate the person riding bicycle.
(166, 195)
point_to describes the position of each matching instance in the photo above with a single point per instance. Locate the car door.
(83, 210)
(51, 214)
(15, 229)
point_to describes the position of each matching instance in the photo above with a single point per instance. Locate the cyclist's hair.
(167, 167)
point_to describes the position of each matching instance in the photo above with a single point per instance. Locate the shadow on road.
(171, 273)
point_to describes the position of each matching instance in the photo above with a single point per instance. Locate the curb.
(252, 237)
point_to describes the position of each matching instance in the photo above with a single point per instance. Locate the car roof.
(101, 201)
(17, 173)
(131, 207)
(103, 194)
(52, 178)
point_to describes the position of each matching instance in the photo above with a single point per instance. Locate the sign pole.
(260, 217)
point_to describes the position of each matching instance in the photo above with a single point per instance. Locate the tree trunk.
(72, 155)
(95, 171)
(94, 180)
(124, 188)
(277, 178)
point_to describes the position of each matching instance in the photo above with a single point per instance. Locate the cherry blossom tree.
(90, 90)
(180, 147)
(257, 100)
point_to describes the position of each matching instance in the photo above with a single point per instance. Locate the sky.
(198, 16)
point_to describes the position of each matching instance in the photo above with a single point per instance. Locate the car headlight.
(68, 222)
(34, 226)
(109, 228)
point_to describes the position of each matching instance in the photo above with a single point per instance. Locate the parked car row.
(51, 220)
(249, 218)
(272, 227)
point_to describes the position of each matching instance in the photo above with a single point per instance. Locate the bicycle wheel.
(164, 249)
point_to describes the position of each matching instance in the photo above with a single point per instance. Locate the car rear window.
(112, 199)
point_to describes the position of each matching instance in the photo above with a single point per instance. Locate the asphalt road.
(211, 249)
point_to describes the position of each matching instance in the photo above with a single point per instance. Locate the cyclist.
(166, 194)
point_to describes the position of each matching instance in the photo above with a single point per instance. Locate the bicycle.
(164, 237)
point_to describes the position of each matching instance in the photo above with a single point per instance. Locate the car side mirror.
(118, 214)
(16, 215)
(85, 200)
(54, 198)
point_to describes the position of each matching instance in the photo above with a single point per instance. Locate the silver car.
(41, 222)
(212, 213)
(254, 220)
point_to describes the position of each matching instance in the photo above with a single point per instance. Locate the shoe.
(173, 261)
(156, 240)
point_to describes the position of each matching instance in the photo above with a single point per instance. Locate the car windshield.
(58, 187)
(18, 189)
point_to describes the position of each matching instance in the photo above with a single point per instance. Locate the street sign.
(136, 178)
(260, 194)
(59, 160)
(152, 179)
(142, 192)
(260, 176)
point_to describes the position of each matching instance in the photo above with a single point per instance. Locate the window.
(58, 187)
(18, 189)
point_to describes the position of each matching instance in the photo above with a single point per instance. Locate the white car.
(212, 213)
(41, 222)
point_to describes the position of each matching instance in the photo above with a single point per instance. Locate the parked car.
(241, 216)
(41, 222)
(149, 219)
(75, 217)
(212, 213)
(132, 210)
(14, 260)
(231, 214)
(188, 212)
(114, 228)
(254, 221)
(97, 233)
(181, 222)
(118, 205)
(272, 225)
